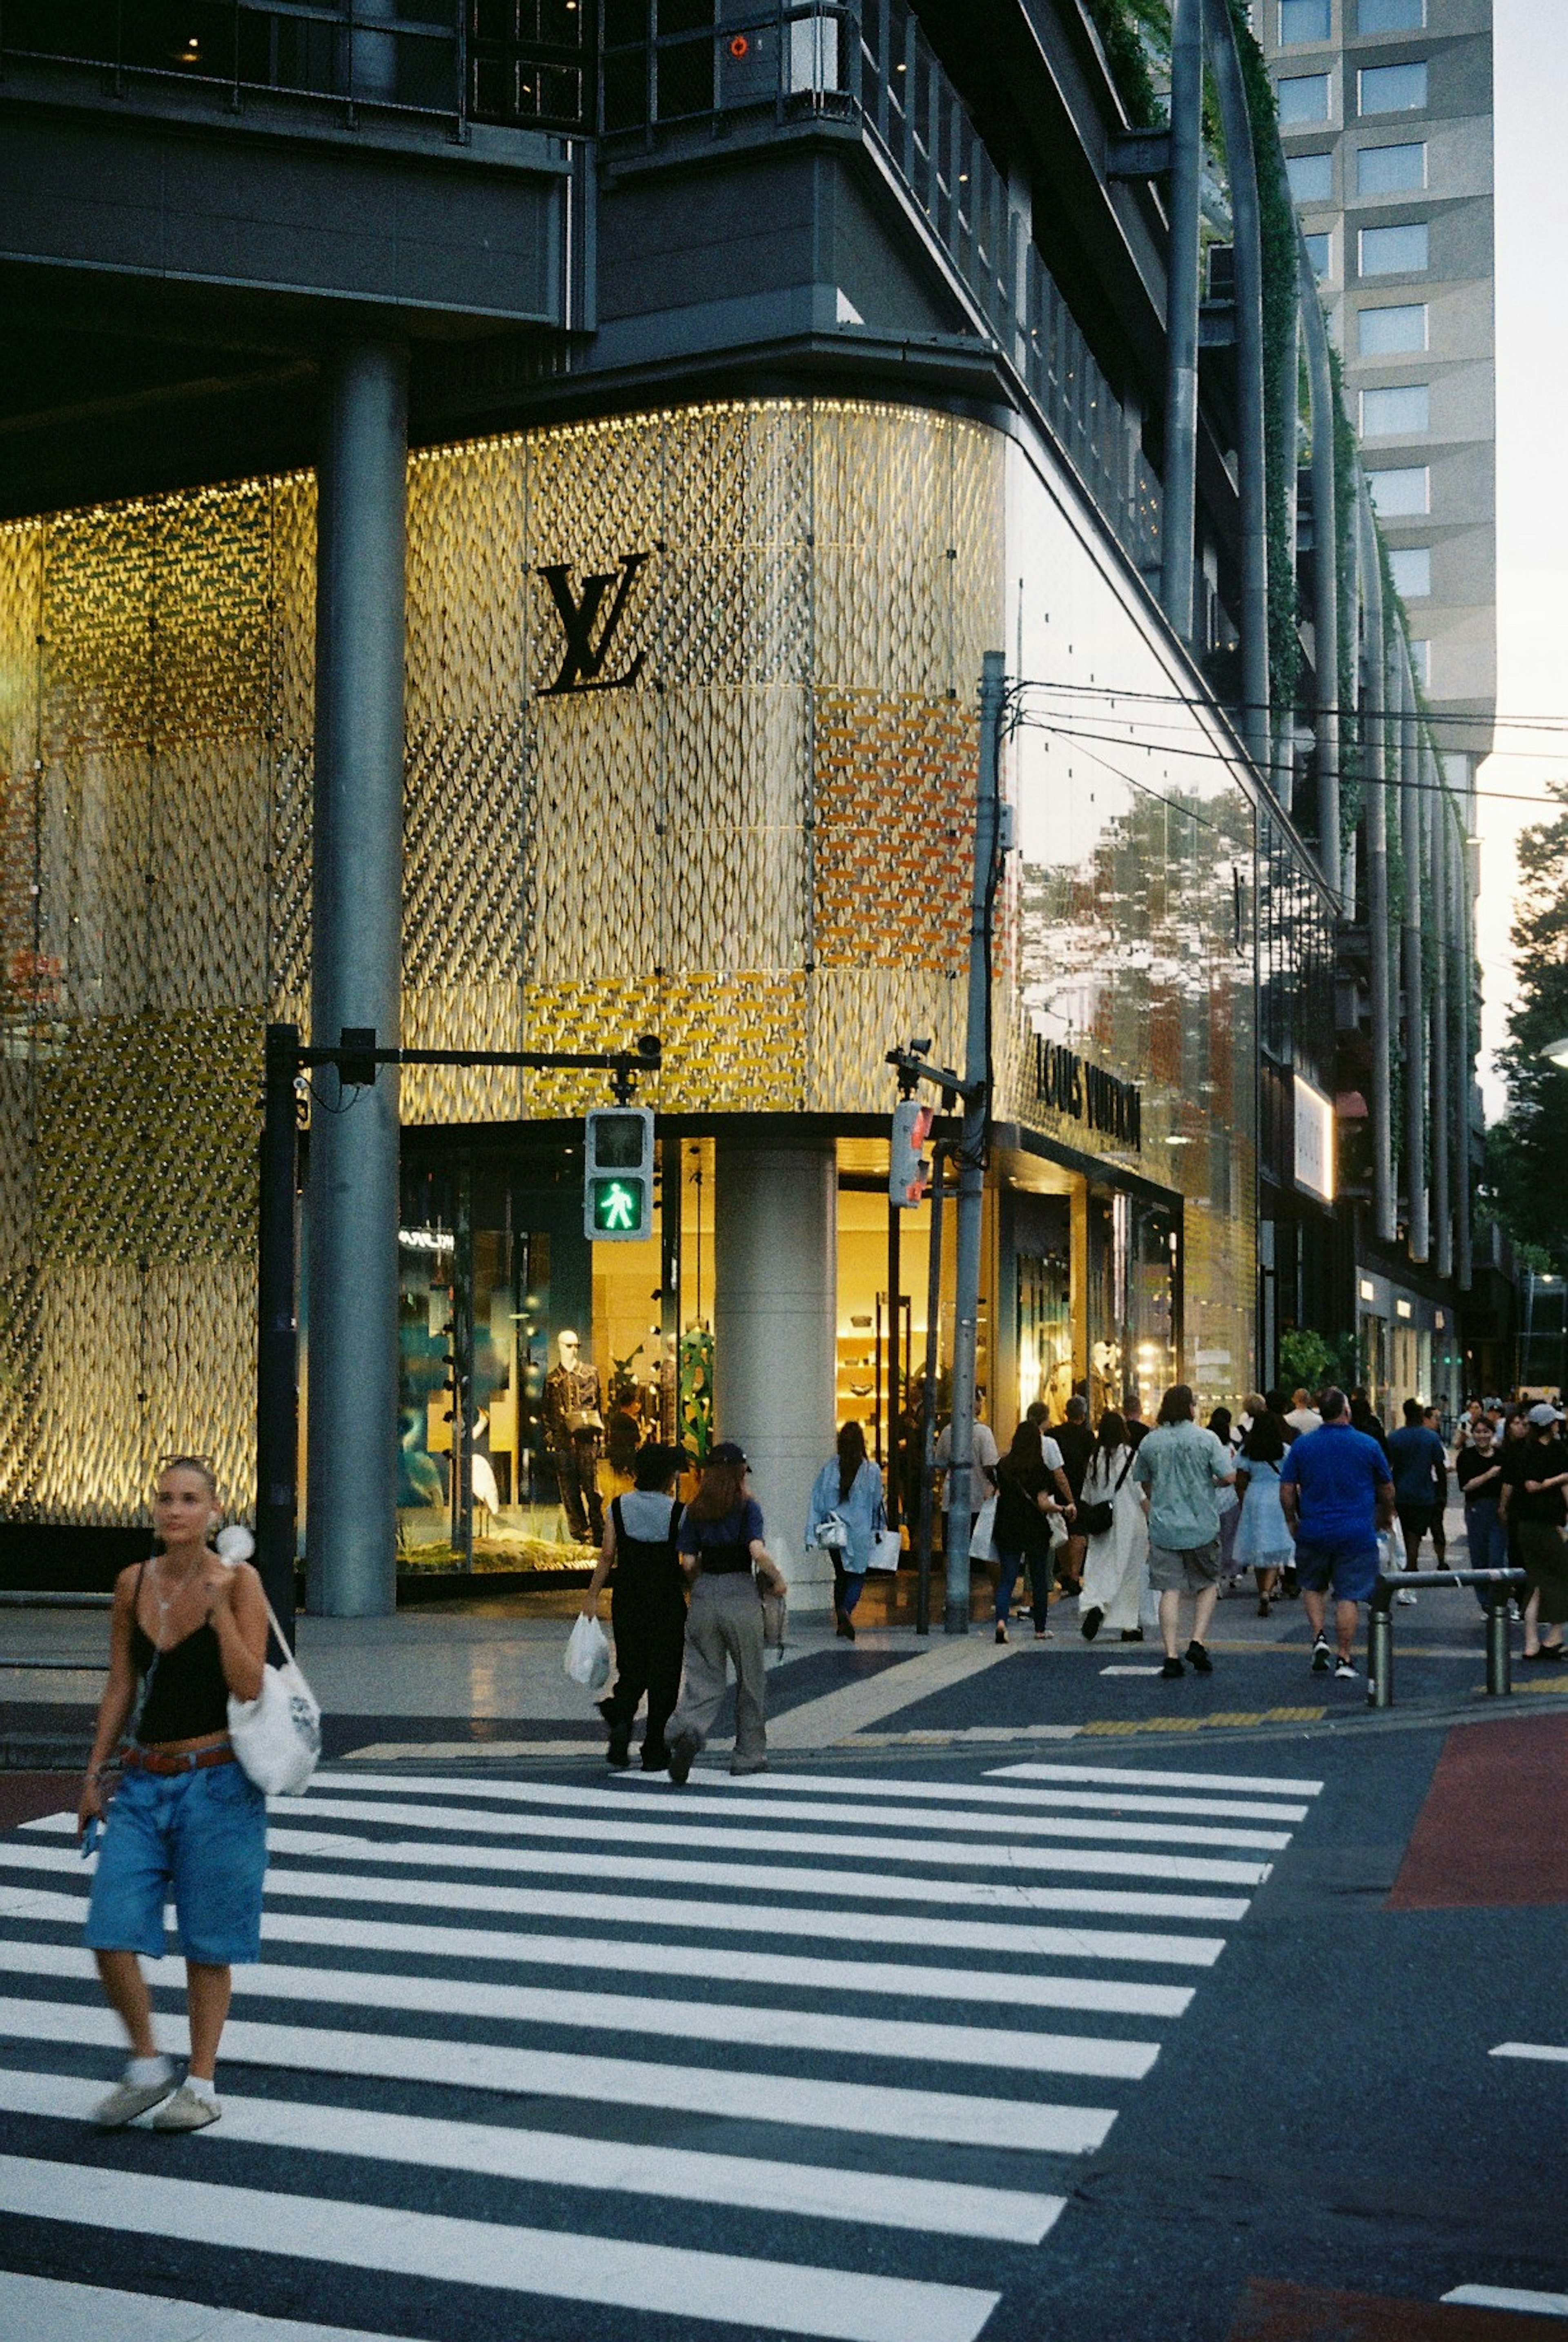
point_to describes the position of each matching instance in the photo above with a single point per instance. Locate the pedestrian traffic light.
(909, 1172)
(618, 1175)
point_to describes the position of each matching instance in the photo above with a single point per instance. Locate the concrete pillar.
(775, 1319)
(351, 1529)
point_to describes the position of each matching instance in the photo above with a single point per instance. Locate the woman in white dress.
(1116, 1570)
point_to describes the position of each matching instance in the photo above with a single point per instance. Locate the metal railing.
(451, 62)
(1500, 1585)
(868, 62)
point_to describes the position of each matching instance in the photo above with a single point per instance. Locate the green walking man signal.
(618, 1175)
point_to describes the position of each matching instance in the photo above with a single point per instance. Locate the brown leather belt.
(184, 1760)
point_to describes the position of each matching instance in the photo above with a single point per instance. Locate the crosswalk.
(817, 2053)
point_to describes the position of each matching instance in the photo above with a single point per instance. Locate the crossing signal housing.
(909, 1168)
(618, 1175)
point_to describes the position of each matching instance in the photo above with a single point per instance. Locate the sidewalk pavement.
(485, 1680)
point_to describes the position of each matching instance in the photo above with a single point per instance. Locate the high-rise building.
(1385, 114)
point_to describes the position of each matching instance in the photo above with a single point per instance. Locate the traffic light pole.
(972, 1152)
(357, 1059)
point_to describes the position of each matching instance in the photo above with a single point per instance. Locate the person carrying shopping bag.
(845, 1512)
(647, 1604)
(187, 1633)
(1026, 1502)
(724, 1556)
(1112, 1514)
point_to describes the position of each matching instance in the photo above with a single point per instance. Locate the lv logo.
(588, 635)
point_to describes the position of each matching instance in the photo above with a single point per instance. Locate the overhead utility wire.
(1066, 731)
(1185, 700)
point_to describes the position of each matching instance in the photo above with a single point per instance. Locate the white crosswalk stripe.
(448, 2077)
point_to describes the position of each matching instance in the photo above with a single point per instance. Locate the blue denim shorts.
(196, 1838)
(1348, 1566)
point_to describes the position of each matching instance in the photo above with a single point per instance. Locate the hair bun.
(235, 1544)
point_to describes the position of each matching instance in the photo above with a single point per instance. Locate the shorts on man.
(1346, 1564)
(1183, 1572)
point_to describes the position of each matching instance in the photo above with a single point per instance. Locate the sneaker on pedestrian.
(146, 2082)
(682, 1756)
(619, 1752)
(1171, 1669)
(655, 1757)
(1514, 1614)
(749, 1765)
(188, 2109)
(1406, 1599)
(1344, 1670)
(1090, 1622)
(1322, 1656)
(1132, 1634)
(1198, 1658)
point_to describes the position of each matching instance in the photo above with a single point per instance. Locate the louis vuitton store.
(691, 749)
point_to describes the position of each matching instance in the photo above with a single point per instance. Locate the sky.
(1532, 108)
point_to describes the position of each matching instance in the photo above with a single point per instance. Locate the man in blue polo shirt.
(1336, 1492)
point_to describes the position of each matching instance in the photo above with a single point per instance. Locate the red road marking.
(1492, 1830)
(1276, 2312)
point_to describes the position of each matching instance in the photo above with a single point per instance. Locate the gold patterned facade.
(759, 848)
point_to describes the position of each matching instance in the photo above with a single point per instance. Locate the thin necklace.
(166, 1603)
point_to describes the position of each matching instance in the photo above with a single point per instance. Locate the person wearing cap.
(1533, 1505)
(728, 1564)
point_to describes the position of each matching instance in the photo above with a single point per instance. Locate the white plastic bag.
(587, 1654)
(887, 1550)
(980, 1548)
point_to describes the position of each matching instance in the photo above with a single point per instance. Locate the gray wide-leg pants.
(724, 1625)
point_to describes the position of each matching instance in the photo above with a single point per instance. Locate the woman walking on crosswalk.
(723, 1553)
(188, 1630)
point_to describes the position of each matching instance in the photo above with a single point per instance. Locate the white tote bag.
(276, 1735)
(982, 1546)
(886, 1549)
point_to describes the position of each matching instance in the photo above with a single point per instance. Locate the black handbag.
(1098, 1519)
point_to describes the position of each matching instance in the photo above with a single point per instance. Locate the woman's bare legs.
(207, 1992)
(125, 1988)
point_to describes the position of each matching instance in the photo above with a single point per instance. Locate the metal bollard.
(1499, 1652)
(1380, 1656)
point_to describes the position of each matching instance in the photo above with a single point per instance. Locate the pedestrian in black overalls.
(647, 1605)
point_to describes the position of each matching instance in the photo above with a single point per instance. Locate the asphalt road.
(918, 2049)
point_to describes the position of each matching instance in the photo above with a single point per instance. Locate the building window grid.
(1395, 170)
(1402, 248)
(1392, 89)
(1393, 330)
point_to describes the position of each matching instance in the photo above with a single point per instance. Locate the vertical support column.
(1415, 1055)
(1287, 394)
(1374, 774)
(1443, 1130)
(775, 1315)
(1250, 468)
(1325, 587)
(355, 975)
(1180, 485)
(1463, 962)
(277, 1345)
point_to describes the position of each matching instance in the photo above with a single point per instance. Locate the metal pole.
(972, 1151)
(357, 943)
(928, 1400)
(1436, 805)
(1287, 391)
(1415, 1055)
(1380, 1651)
(1251, 474)
(1180, 485)
(1326, 584)
(278, 1334)
(894, 1332)
(1499, 1655)
(1374, 766)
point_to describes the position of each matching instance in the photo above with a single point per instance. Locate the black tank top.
(188, 1697)
(649, 1565)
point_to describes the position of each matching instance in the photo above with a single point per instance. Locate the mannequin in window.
(573, 1425)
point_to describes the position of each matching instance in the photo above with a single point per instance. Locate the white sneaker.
(129, 2099)
(1408, 1600)
(1345, 1671)
(187, 2110)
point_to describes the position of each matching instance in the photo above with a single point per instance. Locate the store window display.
(573, 1435)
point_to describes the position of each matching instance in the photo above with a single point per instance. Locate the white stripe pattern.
(438, 1947)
